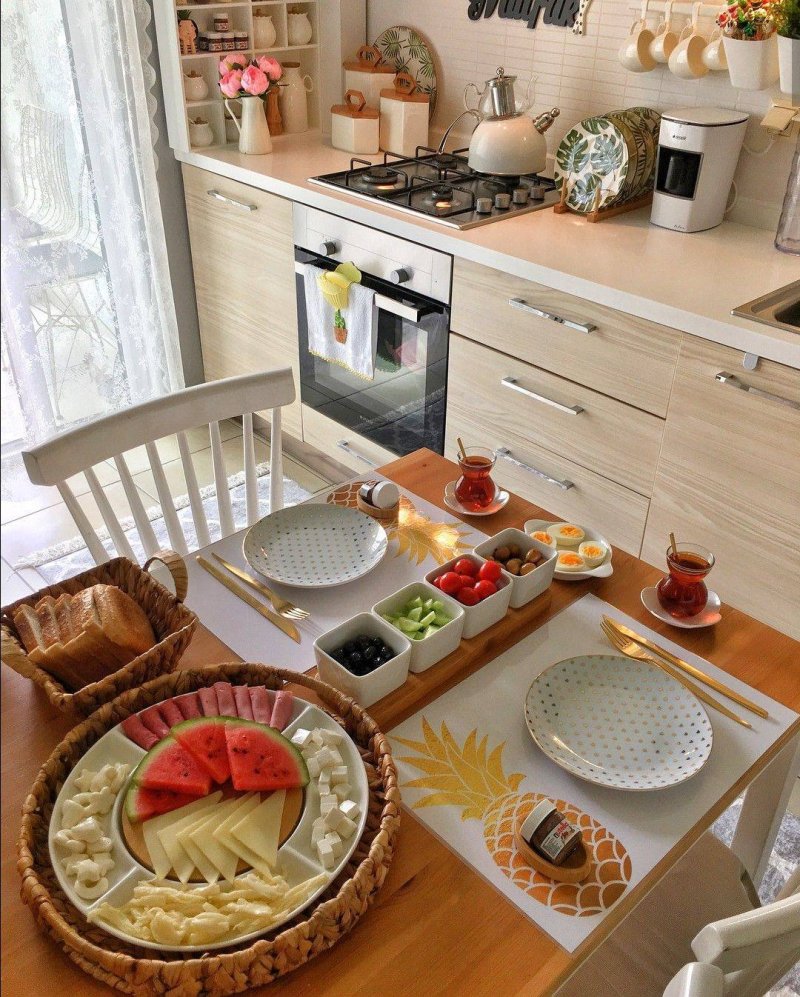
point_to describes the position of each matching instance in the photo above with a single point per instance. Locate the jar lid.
(355, 106)
(240, 34)
(405, 89)
(369, 59)
(536, 817)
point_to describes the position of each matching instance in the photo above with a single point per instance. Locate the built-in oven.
(402, 408)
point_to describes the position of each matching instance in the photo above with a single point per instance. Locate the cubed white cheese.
(342, 790)
(350, 810)
(313, 766)
(335, 756)
(335, 842)
(326, 758)
(325, 852)
(327, 802)
(332, 736)
(318, 831)
(333, 817)
(324, 782)
(316, 737)
(301, 737)
(339, 774)
(346, 828)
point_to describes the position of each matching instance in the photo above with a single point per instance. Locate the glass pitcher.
(787, 238)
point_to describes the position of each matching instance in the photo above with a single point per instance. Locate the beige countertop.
(687, 282)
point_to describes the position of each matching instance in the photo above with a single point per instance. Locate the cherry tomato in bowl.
(490, 572)
(464, 566)
(450, 582)
(485, 588)
(468, 596)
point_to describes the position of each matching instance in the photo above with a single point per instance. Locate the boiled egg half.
(544, 538)
(593, 553)
(567, 534)
(568, 560)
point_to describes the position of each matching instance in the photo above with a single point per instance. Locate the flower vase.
(753, 65)
(254, 137)
(789, 65)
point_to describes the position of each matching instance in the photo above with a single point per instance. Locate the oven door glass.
(403, 407)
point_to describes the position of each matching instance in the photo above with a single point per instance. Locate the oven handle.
(386, 304)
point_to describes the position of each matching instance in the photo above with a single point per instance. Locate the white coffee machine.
(698, 148)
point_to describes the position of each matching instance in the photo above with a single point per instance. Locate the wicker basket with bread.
(105, 631)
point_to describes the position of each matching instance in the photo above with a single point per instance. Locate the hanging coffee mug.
(686, 60)
(634, 53)
(665, 38)
(714, 53)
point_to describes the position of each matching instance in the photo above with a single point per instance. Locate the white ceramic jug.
(200, 133)
(294, 98)
(264, 33)
(300, 30)
(254, 136)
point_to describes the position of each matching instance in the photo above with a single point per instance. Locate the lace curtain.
(88, 318)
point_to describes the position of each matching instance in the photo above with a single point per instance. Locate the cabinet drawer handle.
(232, 200)
(725, 378)
(348, 448)
(511, 382)
(523, 305)
(506, 454)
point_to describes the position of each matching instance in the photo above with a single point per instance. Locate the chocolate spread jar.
(550, 834)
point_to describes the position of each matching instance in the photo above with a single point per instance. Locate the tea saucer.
(707, 618)
(450, 500)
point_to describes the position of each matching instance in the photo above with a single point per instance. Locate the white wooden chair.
(79, 450)
(705, 908)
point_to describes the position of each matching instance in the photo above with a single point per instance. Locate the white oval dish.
(618, 722)
(710, 615)
(603, 570)
(315, 545)
(297, 854)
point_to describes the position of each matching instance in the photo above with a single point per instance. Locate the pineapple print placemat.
(423, 537)
(471, 773)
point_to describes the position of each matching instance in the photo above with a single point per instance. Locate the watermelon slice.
(204, 739)
(261, 759)
(141, 804)
(138, 733)
(282, 710)
(189, 705)
(152, 719)
(241, 696)
(170, 712)
(261, 701)
(225, 700)
(208, 702)
(170, 766)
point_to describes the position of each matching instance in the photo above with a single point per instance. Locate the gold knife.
(690, 670)
(254, 583)
(282, 624)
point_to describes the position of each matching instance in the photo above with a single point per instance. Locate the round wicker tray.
(135, 970)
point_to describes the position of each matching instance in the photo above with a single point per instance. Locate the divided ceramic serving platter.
(298, 861)
(618, 722)
(315, 546)
(601, 571)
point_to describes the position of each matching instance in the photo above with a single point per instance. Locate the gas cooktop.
(443, 188)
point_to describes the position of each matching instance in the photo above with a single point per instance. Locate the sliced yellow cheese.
(151, 828)
(260, 830)
(169, 838)
(223, 859)
(246, 804)
(204, 866)
(249, 857)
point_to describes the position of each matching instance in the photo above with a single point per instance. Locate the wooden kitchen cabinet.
(729, 478)
(342, 444)
(243, 257)
(621, 355)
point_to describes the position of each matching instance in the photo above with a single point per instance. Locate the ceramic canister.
(354, 126)
(405, 115)
(368, 74)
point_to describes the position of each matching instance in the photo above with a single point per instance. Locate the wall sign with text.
(562, 13)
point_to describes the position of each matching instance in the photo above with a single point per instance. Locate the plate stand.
(597, 214)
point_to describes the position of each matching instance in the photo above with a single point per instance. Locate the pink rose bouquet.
(240, 77)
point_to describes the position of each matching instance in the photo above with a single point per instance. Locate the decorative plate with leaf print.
(408, 52)
(613, 153)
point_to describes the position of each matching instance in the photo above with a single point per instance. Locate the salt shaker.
(405, 114)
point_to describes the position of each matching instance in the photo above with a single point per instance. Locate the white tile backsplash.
(582, 76)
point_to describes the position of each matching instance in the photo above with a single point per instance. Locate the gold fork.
(631, 650)
(282, 606)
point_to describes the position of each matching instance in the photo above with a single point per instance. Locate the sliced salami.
(208, 702)
(282, 710)
(225, 700)
(241, 695)
(262, 701)
(189, 705)
(170, 712)
(138, 733)
(152, 719)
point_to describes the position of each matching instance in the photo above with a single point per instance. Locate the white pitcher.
(264, 33)
(254, 136)
(294, 98)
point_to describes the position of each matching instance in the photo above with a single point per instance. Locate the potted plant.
(751, 44)
(339, 328)
(786, 14)
(249, 80)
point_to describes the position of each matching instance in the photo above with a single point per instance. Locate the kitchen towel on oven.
(347, 337)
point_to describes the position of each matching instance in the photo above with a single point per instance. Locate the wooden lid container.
(369, 60)
(355, 106)
(405, 90)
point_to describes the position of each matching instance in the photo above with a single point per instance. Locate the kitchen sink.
(780, 309)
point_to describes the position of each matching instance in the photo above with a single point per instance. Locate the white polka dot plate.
(618, 722)
(315, 546)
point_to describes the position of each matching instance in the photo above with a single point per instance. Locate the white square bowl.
(426, 653)
(487, 613)
(524, 588)
(365, 689)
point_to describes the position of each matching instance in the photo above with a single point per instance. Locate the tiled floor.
(34, 518)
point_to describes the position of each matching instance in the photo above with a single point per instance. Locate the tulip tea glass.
(475, 489)
(683, 593)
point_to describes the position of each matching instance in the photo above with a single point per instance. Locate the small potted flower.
(786, 14)
(750, 42)
(249, 81)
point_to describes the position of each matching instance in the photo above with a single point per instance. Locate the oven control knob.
(328, 248)
(502, 201)
(400, 276)
(484, 205)
(520, 195)
(538, 192)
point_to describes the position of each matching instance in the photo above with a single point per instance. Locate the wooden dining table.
(436, 926)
